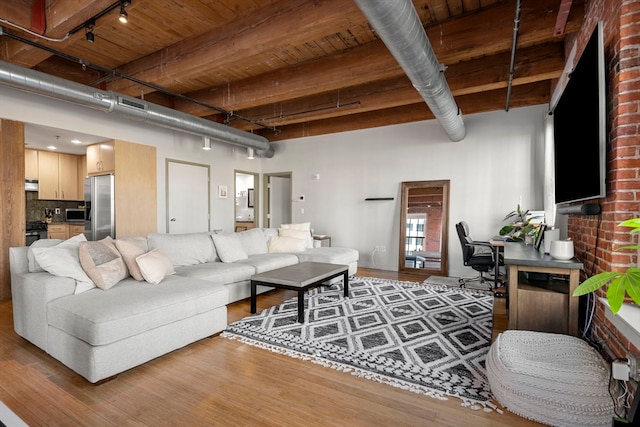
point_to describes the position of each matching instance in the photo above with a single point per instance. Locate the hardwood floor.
(220, 382)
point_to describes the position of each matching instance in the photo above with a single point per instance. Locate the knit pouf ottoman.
(554, 379)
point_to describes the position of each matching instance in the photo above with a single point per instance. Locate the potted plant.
(620, 283)
(520, 226)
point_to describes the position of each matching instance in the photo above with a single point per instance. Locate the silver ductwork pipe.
(397, 24)
(32, 81)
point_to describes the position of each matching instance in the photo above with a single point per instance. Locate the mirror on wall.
(424, 222)
(246, 209)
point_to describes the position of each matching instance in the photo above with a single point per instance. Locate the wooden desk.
(541, 305)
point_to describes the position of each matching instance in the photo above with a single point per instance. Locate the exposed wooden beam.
(523, 95)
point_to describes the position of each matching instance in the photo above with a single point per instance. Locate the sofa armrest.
(30, 294)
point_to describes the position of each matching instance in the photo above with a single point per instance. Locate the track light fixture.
(250, 153)
(123, 17)
(89, 31)
(206, 143)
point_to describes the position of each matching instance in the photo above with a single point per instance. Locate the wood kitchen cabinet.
(75, 229)
(58, 231)
(57, 176)
(101, 158)
(30, 164)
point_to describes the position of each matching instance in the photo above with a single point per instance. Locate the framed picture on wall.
(250, 198)
(222, 191)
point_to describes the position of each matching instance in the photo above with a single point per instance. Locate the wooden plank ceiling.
(291, 68)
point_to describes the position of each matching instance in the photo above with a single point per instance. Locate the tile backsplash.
(35, 207)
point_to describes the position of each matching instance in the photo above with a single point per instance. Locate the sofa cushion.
(253, 241)
(154, 266)
(102, 262)
(184, 249)
(331, 255)
(63, 260)
(130, 250)
(132, 307)
(268, 262)
(229, 247)
(218, 272)
(34, 267)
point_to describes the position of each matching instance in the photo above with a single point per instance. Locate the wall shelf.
(371, 199)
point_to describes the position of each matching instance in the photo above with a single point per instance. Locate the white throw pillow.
(155, 266)
(297, 234)
(286, 244)
(229, 247)
(303, 226)
(253, 241)
(63, 260)
(34, 267)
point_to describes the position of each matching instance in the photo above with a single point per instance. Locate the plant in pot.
(520, 226)
(620, 283)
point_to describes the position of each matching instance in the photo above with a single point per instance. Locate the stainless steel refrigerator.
(99, 203)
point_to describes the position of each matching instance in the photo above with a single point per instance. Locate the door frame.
(256, 194)
(168, 202)
(267, 194)
(444, 232)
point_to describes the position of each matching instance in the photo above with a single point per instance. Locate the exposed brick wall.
(596, 238)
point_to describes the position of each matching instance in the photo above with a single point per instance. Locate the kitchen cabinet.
(75, 229)
(30, 164)
(57, 176)
(82, 173)
(101, 158)
(58, 231)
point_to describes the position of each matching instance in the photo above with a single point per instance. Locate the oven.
(36, 230)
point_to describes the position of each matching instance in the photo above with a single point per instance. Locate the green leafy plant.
(519, 227)
(620, 283)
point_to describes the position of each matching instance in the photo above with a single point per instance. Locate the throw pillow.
(286, 244)
(253, 241)
(102, 262)
(63, 260)
(34, 267)
(297, 234)
(303, 226)
(130, 250)
(154, 266)
(229, 247)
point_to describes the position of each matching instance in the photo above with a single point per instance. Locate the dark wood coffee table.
(299, 277)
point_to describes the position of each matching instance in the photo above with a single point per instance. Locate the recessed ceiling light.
(51, 147)
(76, 141)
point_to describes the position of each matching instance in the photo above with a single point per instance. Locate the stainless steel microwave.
(74, 215)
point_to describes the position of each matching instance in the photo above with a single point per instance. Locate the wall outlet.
(57, 211)
(381, 248)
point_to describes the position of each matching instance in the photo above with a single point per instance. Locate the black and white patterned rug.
(428, 339)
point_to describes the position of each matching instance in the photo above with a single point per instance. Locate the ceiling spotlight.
(250, 153)
(90, 37)
(123, 17)
(206, 145)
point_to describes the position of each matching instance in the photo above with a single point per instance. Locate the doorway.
(188, 197)
(278, 199)
(246, 210)
(424, 224)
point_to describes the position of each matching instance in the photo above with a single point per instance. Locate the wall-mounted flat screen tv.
(579, 128)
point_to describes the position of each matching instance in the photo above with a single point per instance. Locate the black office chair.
(477, 255)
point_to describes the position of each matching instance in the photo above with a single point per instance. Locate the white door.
(187, 197)
(279, 200)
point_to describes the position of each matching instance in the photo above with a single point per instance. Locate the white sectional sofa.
(99, 332)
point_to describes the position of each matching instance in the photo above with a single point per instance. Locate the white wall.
(499, 162)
